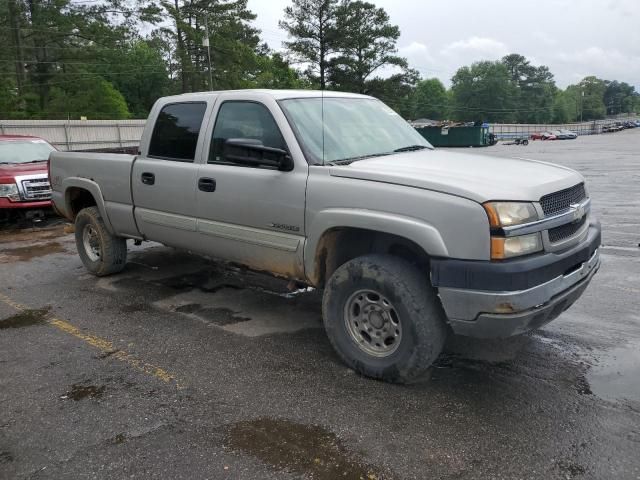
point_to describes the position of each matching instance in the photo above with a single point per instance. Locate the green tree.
(369, 45)
(138, 71)
(430, 99)
(396, 91)
(619, 97)
(93, 98)
(311, 25)
(535, 90)
(275, 72)
(591, 90)
(54, 45)
(564, 107)
(484, 91)
(233, 42)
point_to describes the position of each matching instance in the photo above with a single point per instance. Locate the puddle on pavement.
(32, 234)
(26, 318)
(583, 387)
(5, 457)
(617, 376)
(24, 254)
(303, 449)
(207, 281)
(217, 316)
(571, 469)
(189, 308)
(80, 392)
(135, 307)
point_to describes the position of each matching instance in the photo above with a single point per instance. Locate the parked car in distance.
(25, 192)
(543, 136)
(564, 134)
(336, 191)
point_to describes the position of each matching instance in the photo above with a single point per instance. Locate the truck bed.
(109, 173)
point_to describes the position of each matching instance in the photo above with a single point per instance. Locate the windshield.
(24, 151)
(353, 128)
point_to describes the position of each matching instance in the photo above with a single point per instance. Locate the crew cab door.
(253, 215)
(164, 177)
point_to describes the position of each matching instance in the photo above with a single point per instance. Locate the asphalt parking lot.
(187, 369)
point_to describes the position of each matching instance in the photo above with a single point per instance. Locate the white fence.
(79, 134)
(118, 134)
(519, 130)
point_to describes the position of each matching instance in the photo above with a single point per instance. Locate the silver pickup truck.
(338, 192)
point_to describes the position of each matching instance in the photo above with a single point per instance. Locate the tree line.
(112, 59)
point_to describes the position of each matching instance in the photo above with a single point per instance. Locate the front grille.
(36, 189)
(559, 202)
(563, 232)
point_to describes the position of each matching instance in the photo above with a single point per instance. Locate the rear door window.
(175, 134)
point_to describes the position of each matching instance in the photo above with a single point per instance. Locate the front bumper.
(5, 203)
(517, 295)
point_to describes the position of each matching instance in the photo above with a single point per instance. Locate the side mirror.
(250, 152)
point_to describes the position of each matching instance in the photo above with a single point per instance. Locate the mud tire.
(419, 310)
(112, 250)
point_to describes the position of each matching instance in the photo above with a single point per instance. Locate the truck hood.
(477, 177)
(10, 171)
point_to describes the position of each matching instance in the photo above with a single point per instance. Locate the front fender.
(416, 230)
(94, 189)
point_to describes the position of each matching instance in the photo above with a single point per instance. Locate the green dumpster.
(456, 136)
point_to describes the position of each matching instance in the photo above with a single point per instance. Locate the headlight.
(502, 248)
(9, 190)
(507, 214)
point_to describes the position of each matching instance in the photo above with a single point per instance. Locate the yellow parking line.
(105, 346)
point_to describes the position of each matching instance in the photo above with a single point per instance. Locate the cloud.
(417, 51)
(476, 48)
(610, 64)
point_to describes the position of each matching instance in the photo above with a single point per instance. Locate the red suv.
(25, 192)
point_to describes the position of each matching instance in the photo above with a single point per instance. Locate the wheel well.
(339, 245)
(77, 199)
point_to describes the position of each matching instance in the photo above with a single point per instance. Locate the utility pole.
(581, 105)
(14, 23)
(205, 43)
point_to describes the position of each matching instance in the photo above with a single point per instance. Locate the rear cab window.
(175, 133)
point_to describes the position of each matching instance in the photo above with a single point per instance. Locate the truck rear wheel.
(383, 318)
(101, 252)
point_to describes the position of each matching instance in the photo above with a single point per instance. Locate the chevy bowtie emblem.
(578, 211)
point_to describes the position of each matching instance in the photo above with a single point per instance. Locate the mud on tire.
(101, 252)
(383, 318)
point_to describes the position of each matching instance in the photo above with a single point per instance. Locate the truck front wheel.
(383, 318)
(101, 252)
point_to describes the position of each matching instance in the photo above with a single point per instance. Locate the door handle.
(206, 184)
(148, 178)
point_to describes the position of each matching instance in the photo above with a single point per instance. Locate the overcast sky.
(574, 38)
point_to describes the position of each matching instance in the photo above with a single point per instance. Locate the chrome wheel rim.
(373, 323)
(91, 242)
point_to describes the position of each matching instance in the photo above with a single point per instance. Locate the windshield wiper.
(34, 161)
(347, 161)
(410, 148)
